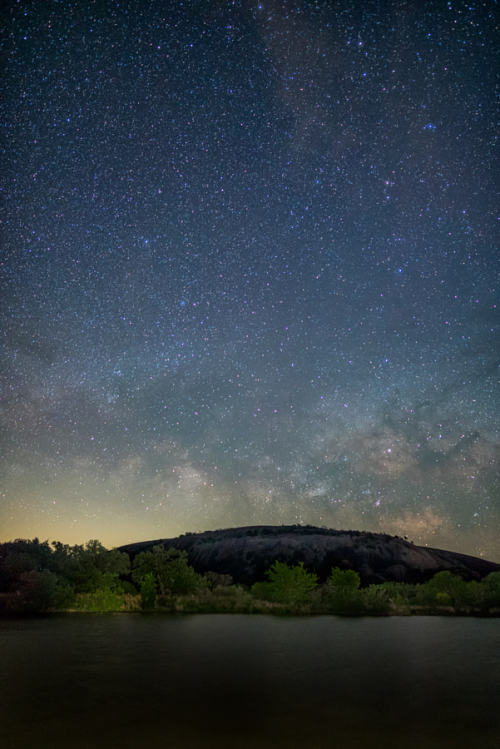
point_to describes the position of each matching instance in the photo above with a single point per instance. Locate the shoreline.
(416, 611)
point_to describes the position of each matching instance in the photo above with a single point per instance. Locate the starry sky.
(249, 271)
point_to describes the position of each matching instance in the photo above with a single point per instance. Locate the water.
(129, 681)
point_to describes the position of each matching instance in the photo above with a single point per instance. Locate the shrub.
(447, 589)
(345, 601)
(376, 600)
(262, 590)
(99, 601)
(131, 602)
(491, 590)
(165, 603)
(148, 591)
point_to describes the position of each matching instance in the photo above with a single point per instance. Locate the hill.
(246, 553)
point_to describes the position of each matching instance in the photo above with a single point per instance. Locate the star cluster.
(248, 269)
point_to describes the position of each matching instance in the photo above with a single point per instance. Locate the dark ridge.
(246, 553)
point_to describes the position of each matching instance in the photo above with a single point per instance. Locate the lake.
(182, 682)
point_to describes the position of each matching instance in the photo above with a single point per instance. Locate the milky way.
(249, 269)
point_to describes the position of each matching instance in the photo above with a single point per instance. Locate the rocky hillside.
(246, 553)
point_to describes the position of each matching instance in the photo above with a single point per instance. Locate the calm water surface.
(127, 681)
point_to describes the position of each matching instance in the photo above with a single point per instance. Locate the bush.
(399, 594)
(345, 601)
(131, 602)
(447, 589)
(263, 591)
(126, 587)
(342, 595)
(491, 590)
(99, 601)
(148, 591)
(376, 600)
(165, 603)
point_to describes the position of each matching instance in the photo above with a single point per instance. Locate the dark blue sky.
(249, 269)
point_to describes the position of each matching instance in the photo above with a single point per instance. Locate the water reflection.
(249, 681)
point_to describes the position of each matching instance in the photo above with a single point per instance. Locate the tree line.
(39, 577)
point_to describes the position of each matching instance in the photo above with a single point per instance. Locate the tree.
(345, 579)
(447, 589)
(376, 600)
(170, 568)
(43, 575)
(473, 594)
(216, 580)
(40, 591)
(15, 564)
(286, 584)
(491, 587)
(155, 562)
(181, 577)
(92, 567)
(343, 592)
(148, 591)
(21, 556)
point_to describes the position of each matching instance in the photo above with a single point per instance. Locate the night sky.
(249, 270)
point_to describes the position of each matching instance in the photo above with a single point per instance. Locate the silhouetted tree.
(39, 591)
(170, 569)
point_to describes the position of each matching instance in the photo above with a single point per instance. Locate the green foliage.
(171, 570)
(126, 587)
(42, 576)
(447, 587)
(230, 599)
(39, 577)
(92, 567)
(348, 579)
(346, 601)
(148, 591)
(144, 563)
(423, 595)
(375, 600)
(400, 594)
(286, 584)
(474, 595)
(342, 593)
(492, 585)
(262, 591)
(491, 590)
(102, 600)
(443, 599)
(181, 577)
